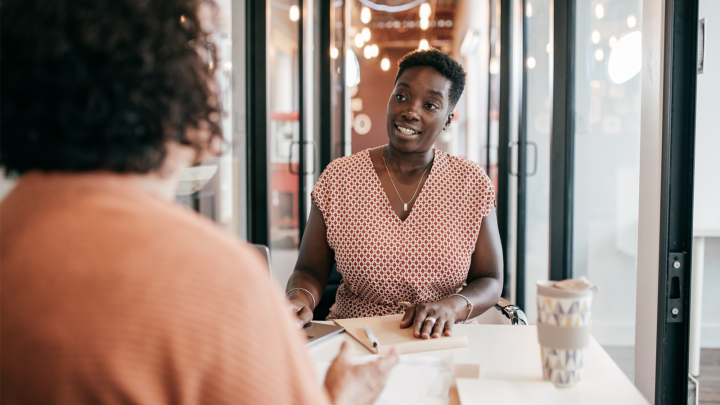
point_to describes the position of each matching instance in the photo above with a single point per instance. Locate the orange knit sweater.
(111, 295)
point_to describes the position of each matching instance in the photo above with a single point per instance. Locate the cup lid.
(569, 288)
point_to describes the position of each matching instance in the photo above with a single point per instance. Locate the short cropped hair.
(102, 84)
(440, 61)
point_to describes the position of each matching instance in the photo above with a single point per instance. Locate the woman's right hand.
(301, 309)
(357, 385)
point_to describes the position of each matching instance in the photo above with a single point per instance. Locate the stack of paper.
(415, 380)
(387, 331)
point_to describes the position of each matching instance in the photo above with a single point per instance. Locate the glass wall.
(214, 189)
(607, 153)
(538, 94)
(705, 319)
(284, 137)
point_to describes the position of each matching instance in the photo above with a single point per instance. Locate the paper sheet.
(415, 380)
(507, 392)
(387, 331)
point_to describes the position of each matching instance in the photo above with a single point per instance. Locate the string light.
(359, 41)
(528, 10)
(366, 34)
(375, 50)
(334, 52)
(531, 63)
(424, 23)
(425, 10)
(547, 48)
(599, 11)
(424, 45)
(368, 52)
(595, 37)
(612, 42)
(385, 64)
(294, 13)
(365, 15)
(599, 55)
(631, 21)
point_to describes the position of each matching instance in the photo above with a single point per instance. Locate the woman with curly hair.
(111, 292)
(411, 228)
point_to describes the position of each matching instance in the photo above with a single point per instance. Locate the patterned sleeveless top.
(384, 260)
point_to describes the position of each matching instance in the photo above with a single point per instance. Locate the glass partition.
(538, 99)
(608, 53)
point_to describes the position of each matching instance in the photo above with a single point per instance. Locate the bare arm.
(313, 267)
(483, 289)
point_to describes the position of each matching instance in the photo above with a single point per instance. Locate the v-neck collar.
(418, 202)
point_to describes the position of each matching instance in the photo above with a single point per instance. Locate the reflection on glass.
(213, 189)
(283, 139)
(705, 319)
(607, 154)
(539, 90)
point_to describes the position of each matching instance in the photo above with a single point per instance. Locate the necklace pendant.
(405, 206)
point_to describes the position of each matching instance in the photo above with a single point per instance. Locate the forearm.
(483, 293)
(305, 279)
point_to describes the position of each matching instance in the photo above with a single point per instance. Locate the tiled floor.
(709, 379)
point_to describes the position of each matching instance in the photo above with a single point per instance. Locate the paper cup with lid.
(564, 315)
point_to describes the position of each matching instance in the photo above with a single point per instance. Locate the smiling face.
(419, 109)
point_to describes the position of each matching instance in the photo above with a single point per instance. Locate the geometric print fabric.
(384, 260)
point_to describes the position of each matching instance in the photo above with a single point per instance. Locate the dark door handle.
(535, 155)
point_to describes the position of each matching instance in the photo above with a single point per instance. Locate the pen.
(372, 337)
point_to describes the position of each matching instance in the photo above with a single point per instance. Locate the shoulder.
(345, 163)
(463, 168)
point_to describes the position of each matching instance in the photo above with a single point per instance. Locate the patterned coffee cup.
(563, 331)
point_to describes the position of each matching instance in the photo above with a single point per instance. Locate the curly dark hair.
(102, 84)
(440, 61)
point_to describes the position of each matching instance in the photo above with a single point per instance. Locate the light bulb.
(612, 42)
(599, 11)
(425, 10)
(334, 52)
(385, 64)
(294, 13)
(494, 66)
(365, 15)
(375, 50)
(528, 10)
(631, 21)
(595, 37)
(367, 51)
(531, 63)
(599, 55)
(366, 34)
(424, 45)
(359, 41)
(424, 23)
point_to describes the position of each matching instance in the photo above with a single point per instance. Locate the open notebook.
(387, 331)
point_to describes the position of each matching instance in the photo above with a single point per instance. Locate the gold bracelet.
(298, 288)
(469, 305)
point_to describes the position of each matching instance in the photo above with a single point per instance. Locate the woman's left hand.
(421, 317)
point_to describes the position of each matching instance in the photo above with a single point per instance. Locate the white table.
(512, 352)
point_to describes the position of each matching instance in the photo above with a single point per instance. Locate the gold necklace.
(405, 204)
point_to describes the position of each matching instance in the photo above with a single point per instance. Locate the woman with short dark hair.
(407, 225)
(112, 293)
